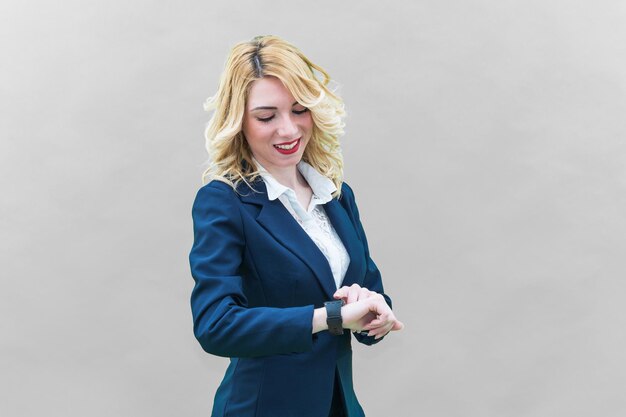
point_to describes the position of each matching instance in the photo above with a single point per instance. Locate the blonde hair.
(230, 158)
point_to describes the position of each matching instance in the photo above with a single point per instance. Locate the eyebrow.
(270, 107)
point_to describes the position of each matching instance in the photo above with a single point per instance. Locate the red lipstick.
(287, 148)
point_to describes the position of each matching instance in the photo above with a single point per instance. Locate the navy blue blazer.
(258, 277)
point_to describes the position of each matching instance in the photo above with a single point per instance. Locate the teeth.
(287, 147)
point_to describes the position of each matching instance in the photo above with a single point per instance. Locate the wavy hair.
(230, 157)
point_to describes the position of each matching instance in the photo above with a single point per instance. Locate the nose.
(288, 128)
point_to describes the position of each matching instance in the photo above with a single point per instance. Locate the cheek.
(255, 132)
(308, 122)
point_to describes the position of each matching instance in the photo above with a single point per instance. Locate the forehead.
(269, 91)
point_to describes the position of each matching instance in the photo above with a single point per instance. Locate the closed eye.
(267, 119)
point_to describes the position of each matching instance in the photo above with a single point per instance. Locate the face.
(276, 127)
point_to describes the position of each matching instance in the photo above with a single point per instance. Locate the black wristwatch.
(333, 317)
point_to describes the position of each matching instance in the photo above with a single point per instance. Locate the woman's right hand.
(372, 314)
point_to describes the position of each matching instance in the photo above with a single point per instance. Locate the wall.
(485, 141)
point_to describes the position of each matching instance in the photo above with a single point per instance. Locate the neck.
(288, 176)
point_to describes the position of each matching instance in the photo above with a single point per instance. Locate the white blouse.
(313, 220)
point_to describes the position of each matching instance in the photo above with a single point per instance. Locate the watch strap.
(333, 317)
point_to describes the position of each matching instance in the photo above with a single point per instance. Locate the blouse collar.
(322, 186)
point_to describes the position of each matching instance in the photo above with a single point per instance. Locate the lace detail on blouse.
(323, 234)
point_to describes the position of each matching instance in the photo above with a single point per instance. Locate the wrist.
(319, 320)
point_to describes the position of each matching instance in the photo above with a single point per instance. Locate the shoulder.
(215, 190)
(215, 195)
(216, 206)
(215, 186)
(347, 193)
(220, 192)
(346, 189)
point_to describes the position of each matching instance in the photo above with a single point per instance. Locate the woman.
(280, 259)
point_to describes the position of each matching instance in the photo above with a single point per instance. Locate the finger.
(381, 331)
(380, 336)
(385, 330)
(389, 327)
(353, 294)
(365, 293)
(379, 297)
(379, 322)
(397, 325)
(341, 292)
(391, 321)
(384, 318)
(378, 304)
(372, 326)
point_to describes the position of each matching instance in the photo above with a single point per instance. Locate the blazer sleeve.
(373, 280)
(222, 321)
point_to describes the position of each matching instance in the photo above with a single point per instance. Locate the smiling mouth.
(287, 145)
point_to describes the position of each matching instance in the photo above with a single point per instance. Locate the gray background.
(486, 144)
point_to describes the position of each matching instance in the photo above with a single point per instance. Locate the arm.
(223, 323)
(358, 315)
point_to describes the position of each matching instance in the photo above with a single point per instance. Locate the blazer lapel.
(345, 229)
(277, 220)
